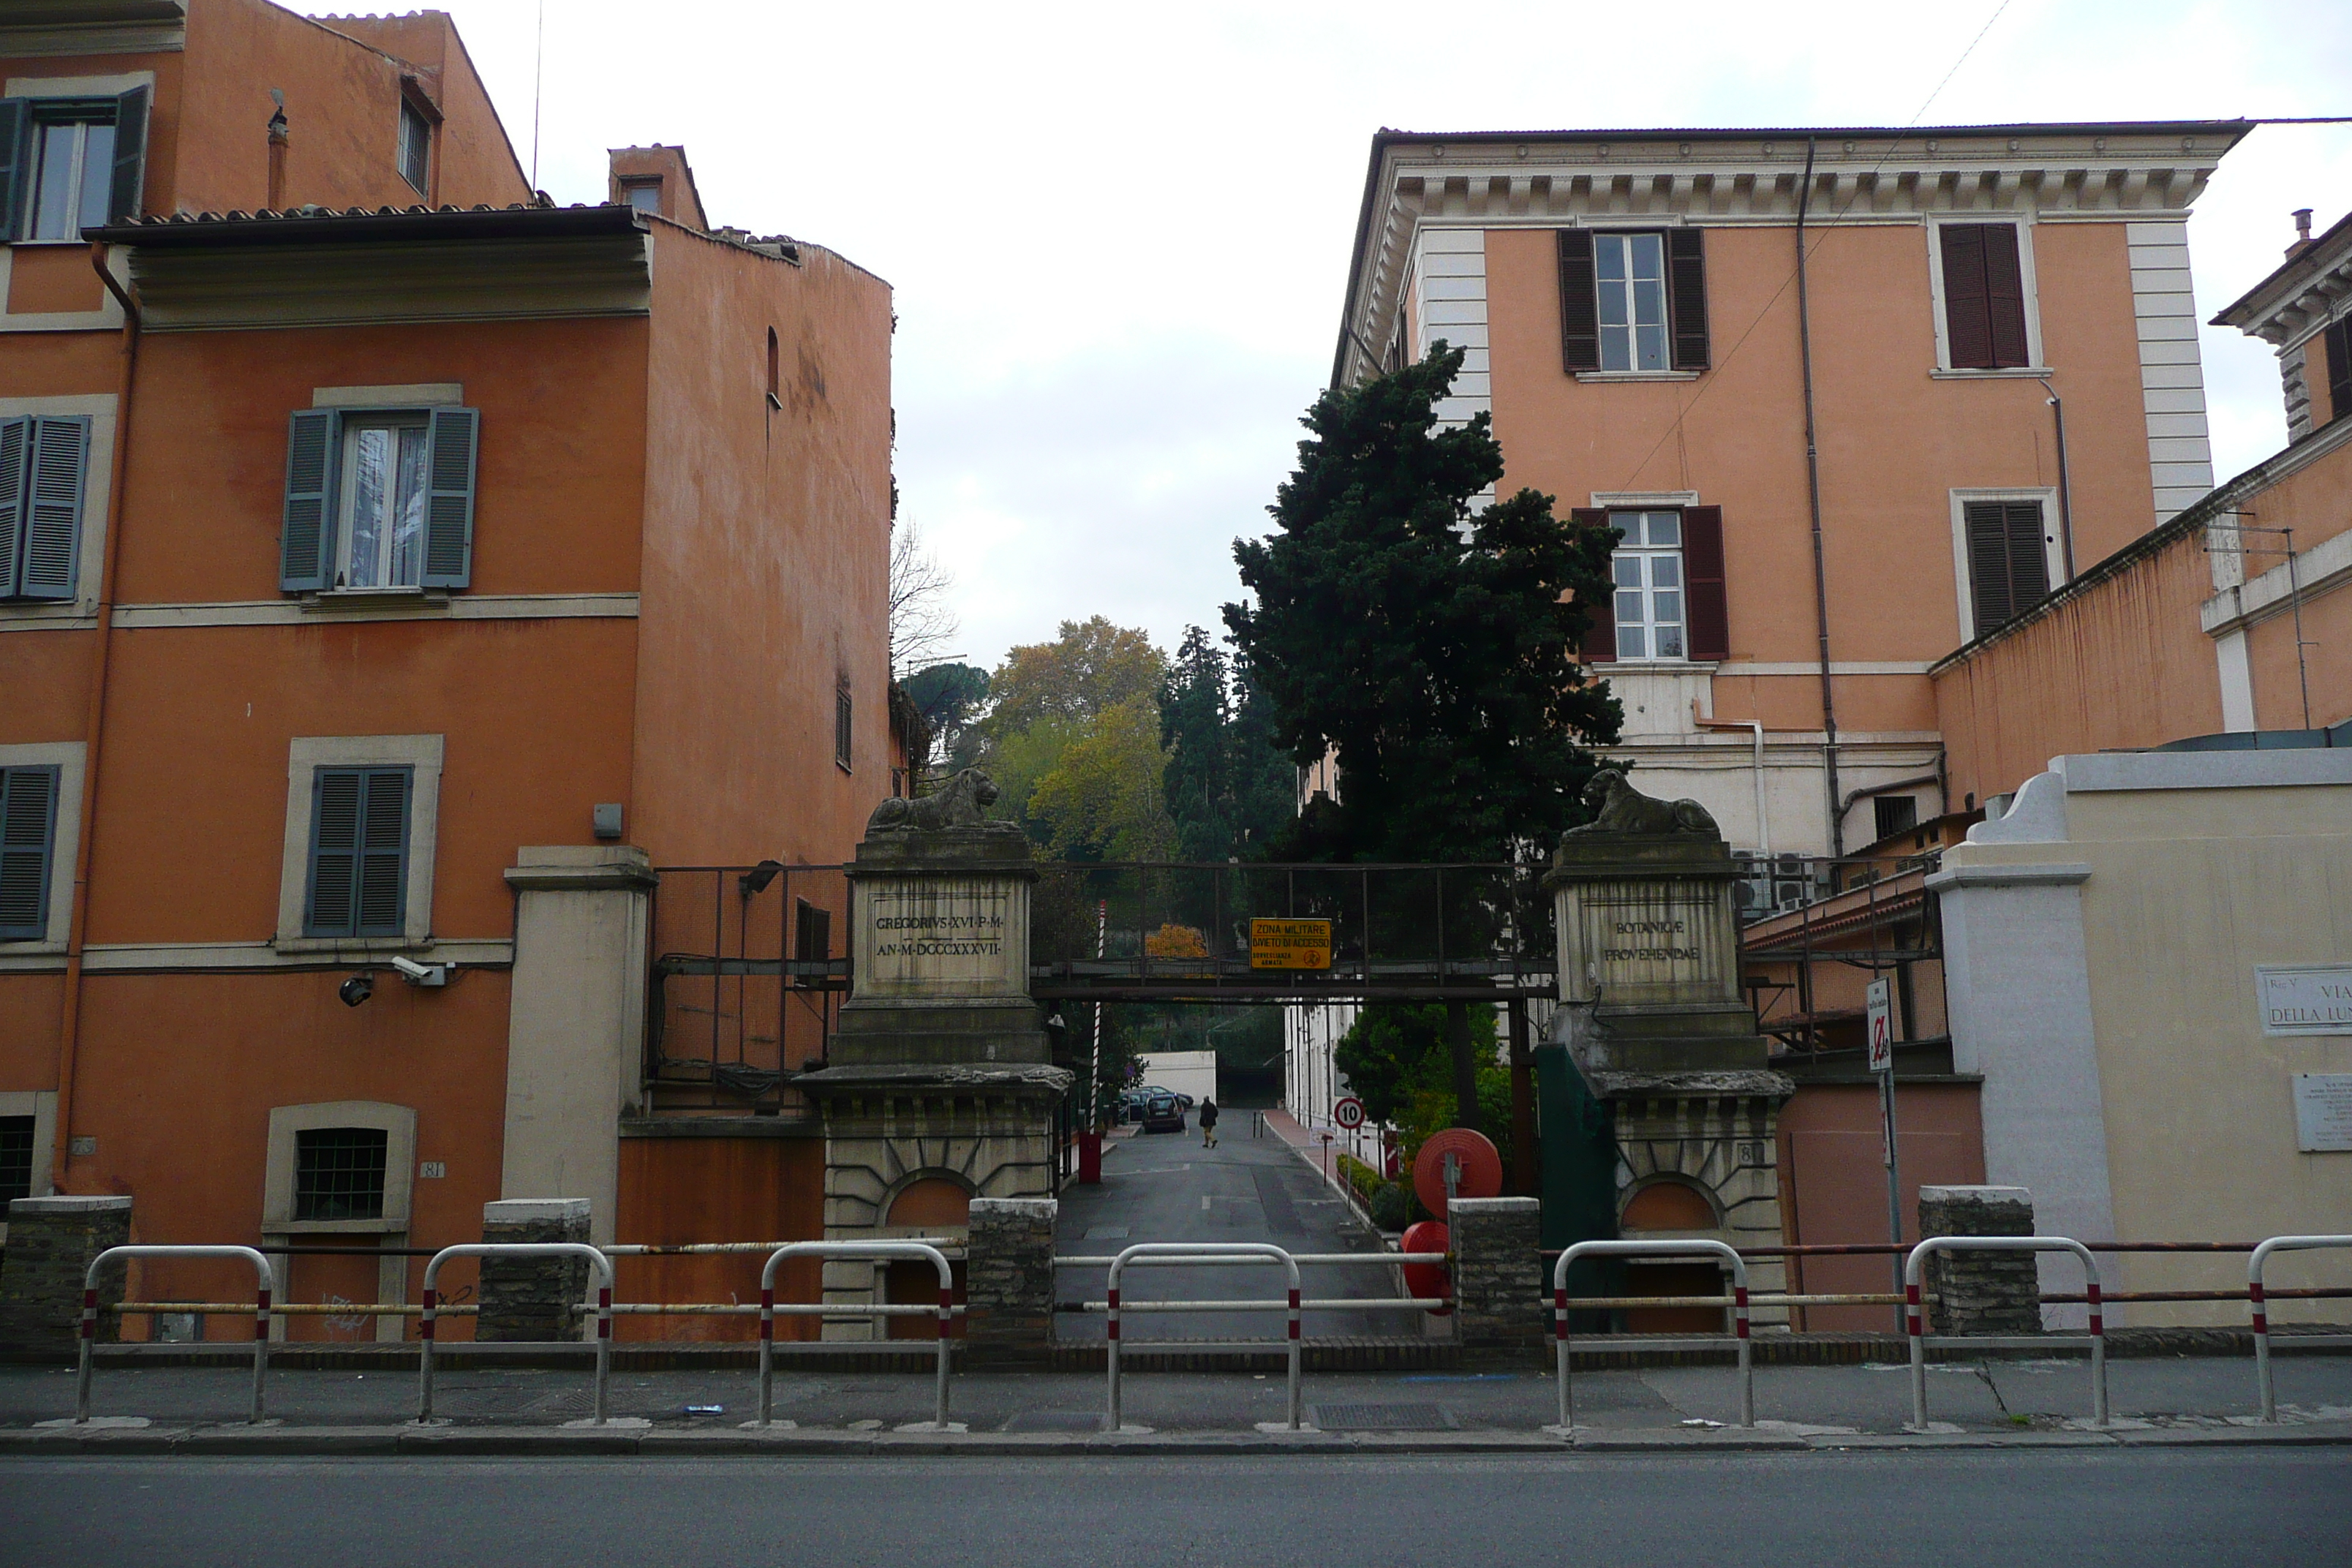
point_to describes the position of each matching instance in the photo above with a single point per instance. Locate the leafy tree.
(1430, 650)
(1433, 652)
(1101, 799)
(1091, 666)
(1230, 789)
(949, 697)
(1398, 1060)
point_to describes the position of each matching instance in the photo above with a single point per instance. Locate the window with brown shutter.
(2338, 341)
(2008, 561)
(1709, 611)
(1686, 286)
(1984, 296)
(1580, 319)
(1600, 642)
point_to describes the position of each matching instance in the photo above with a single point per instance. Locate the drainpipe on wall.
(1755, 727)
(1814, 491)
(2065, 489)
(93, 730)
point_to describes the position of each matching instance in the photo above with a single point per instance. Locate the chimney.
(276, 201)
(2301, 233)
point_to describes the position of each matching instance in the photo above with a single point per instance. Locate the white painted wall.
(1183, 1072)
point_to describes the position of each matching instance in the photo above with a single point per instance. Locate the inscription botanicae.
(1654, 930)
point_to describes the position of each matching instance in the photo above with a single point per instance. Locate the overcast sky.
(1118, 237)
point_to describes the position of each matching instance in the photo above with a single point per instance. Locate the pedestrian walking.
(1208, 1124)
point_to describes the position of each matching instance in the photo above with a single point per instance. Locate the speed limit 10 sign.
(1349, 1113)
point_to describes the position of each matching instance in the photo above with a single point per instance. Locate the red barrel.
(1426, 1280)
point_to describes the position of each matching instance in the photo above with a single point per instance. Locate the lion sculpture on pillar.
(961, 805)
(1619, 808)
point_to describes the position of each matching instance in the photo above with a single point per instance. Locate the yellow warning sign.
(1290, 944)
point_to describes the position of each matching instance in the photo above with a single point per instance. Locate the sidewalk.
(525, 1410)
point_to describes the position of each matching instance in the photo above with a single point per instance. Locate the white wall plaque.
(2305, 998)
(2322, 1111)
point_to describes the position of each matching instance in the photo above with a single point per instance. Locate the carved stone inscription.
(953, 937)
(1652, 943)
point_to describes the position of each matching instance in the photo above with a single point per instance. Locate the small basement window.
(16, 1159)
(339, 1173)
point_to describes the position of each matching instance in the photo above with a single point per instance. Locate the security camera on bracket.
(422, 973)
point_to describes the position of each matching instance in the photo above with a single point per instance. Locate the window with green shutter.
(29, 834)
(359, 852)
(71, 163)
(44, 471)
(379, 500)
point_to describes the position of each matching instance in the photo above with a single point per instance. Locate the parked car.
(1183, 1100)
(1162, 1114)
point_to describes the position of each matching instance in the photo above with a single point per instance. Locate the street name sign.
(1290, 944)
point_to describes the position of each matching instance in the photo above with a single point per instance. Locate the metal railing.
(856, 1250)
(1690, 1248)
(2256, 1299)
(2097, 1340)
(90, 1314)
(1147, 1253)
(604, 1267)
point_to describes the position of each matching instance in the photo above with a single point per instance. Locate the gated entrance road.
(1166, 1187)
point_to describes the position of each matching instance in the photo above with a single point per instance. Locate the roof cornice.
(2303, 295)
(1862, 175)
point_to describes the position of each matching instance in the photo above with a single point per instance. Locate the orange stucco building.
(1831, 473)
(399, 567)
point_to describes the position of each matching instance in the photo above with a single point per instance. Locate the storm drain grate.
(1382, 1418)
(570, 1406)
(1056, 1421)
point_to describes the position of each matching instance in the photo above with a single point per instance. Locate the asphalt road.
(1165, 1186)
(2211, 1507)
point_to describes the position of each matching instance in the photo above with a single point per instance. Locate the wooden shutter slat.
(383, 853)
(449, 505)
(1580, 311)
(27, 836)
(1968, 320)
(2028, 556)
(306, 540)
(1601, 641)
(2337, 342)
(1988, 594)
(125, 193)
(1707, 611)
(57, 461)
(2004, 297)
(16, 444)
(1686, 296)
(334, 850)
(16, 120)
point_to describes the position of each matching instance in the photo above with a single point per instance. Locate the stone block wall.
(1499, 1291)
(50, 1243)
(1984, 1293)
(533, 1298)
(1008, 1279)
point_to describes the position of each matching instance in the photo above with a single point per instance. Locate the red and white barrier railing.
(432, 1300)
(90, 1313)
(2097, 1340)
(2255, 1299)
(1693, 1248)
(859, 1250)
(1147, 1254)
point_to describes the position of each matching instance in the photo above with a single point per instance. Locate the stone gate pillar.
(1655, 1021)
(940, 1071)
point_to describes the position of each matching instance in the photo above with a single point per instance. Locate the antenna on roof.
(538, 76)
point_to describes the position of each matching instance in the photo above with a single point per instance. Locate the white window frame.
(347, 496)
(1665, 322)
(1645, 551)
(48, 87)
(78, 177)
(97, 493)
(2036, 364)
(67, 757)
(398, 1124)
(2052, 552)
(304, 756)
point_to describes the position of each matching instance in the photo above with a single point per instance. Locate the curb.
(216, 1442)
